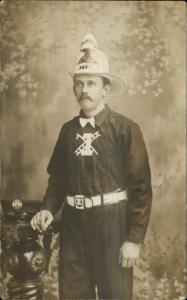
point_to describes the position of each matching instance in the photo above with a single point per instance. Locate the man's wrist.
(135, 240)
(132, 243)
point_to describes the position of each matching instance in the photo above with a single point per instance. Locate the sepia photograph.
(93, 150)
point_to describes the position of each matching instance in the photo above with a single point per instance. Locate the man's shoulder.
(122, 121)
(70, 122)
(67, 126)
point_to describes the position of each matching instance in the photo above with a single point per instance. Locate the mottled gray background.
(146, 44)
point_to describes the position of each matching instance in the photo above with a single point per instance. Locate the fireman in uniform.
(99, 171)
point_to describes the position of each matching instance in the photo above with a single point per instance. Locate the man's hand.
(41, 220)
(128, 255)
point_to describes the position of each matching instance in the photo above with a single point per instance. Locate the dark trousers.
(89, 253)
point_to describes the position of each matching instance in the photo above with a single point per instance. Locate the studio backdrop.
(145, 42)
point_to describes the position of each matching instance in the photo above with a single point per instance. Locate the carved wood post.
(25, 258)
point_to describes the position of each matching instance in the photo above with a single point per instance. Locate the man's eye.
(78, 84)
(91, 83)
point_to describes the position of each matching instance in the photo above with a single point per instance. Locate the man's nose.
(85, 88)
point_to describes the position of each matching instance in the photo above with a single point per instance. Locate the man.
(99, 169)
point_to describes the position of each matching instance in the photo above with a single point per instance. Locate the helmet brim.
(118, 85)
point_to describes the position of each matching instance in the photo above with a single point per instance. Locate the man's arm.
(139, 196)
(54, 195)
(139, 186)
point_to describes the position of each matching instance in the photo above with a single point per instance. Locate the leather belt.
(83, 202)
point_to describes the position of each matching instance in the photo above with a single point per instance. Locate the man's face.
(89, 91)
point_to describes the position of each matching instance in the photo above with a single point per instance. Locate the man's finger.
(131, 262)
(128, 262)
(32, 224)
(37, 219)
(43, 221)
(37, 222)
(48, 220)
(125, 262)
(38, 227)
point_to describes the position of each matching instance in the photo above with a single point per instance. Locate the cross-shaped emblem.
(86, 148)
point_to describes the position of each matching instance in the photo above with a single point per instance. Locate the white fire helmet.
(93, 61)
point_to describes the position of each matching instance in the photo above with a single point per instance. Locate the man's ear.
(106, 90)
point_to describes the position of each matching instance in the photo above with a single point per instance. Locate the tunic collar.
(100, 117)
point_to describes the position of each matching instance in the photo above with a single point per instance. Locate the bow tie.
(84, 121)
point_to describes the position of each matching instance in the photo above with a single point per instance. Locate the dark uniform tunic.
(93, 161)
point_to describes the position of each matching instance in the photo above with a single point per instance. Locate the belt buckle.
(79, 201)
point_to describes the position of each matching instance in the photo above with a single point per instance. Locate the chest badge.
(86, 148)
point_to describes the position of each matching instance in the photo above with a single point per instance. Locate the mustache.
(85, 96)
